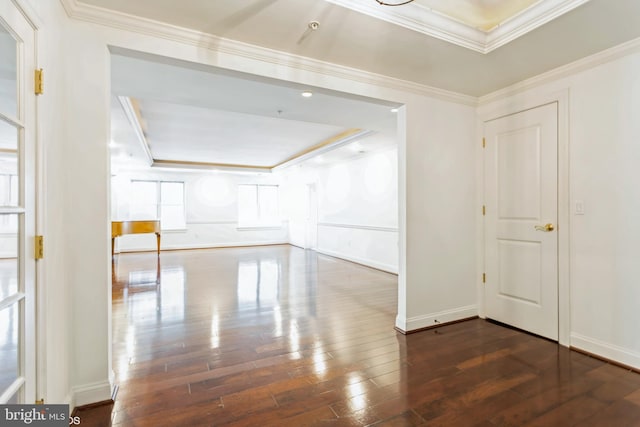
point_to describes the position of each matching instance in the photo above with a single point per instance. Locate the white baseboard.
(434, 319)
(68, 400)
(203, 246)
(401, 323)
(608, 351)
(389, 268)
(91, 393)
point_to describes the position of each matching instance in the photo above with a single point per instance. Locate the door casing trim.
(513, 105)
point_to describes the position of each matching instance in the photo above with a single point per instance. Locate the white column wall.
(85, 110)
(54, 294)
(440, 214)
(74, 278)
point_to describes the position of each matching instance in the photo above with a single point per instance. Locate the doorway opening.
(244, 162)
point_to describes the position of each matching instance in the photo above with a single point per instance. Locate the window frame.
(158, 186)
(9, 222)
(259, 224)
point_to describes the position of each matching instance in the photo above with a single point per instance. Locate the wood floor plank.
(573, 412)
(280, 336)
(634, 397)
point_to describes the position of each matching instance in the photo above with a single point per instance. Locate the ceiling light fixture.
(400, 3)
(307, 94)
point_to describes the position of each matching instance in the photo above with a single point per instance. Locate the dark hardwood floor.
(281, 336)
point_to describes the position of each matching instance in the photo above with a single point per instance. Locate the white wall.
(56, 311)
(211, 205)
(435, 221)
(357, 203)
(74, 278)
(437, 231)
(604, 154)
(85, 110)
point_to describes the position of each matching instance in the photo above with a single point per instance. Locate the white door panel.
(521, 256)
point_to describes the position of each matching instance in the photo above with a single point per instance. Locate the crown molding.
(425, 20)
(88, 13)
(600, 58)
(421, 19)
(336, 141)
(132, 112)
(528, 20)
(206, 166)
(325, 146)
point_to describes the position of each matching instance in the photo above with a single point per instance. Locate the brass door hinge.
(484, 277)
(40, 402)
(39, 247)
(484, 143)
(39, 83)
(484, 210)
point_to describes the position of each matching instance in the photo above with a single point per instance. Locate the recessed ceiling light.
(394, 110)
(307, 94)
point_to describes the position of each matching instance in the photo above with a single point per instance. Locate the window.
(172, 205)
(143, 200)
(258, 206)
(8, 197)
(162, 200)
(8, 190)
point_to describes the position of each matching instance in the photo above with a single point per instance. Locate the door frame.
(311, 190)
(31, 16)
(35, 157)
(512, 105)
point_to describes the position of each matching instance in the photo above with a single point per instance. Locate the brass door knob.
(546, 228)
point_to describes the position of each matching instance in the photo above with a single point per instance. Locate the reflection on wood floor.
(281, 336)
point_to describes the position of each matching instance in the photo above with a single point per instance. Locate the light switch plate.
(579, 207)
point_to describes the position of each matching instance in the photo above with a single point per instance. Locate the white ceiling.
(357, 40)
(196, 134)
(195, 114)
(186, 105)
(482, 14)
(480, 25)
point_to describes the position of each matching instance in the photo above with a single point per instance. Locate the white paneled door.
(17, 206)
(521, 239)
